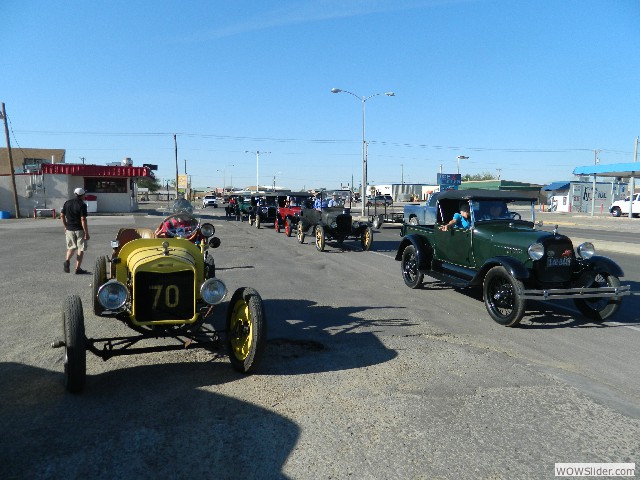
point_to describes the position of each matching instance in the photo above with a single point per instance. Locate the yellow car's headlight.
(207, 230)
(113, 295)
(213, 291)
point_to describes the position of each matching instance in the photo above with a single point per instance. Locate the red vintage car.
(289, 214)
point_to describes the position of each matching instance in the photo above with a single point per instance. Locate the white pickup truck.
(621, 207)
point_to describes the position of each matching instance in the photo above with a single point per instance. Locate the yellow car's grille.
(166, 296)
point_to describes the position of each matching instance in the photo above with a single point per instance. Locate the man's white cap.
(79, 191)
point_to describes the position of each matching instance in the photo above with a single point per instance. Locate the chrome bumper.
(577, 293)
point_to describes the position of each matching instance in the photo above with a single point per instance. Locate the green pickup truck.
(504, 253)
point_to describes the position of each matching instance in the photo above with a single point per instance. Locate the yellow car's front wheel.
(246, 329)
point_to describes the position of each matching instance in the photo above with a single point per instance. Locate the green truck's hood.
(505, 238)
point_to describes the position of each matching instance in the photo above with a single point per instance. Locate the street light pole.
(364, 143)
(461, 157)
(257, 152)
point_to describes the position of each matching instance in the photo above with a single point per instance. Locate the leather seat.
(125, 235)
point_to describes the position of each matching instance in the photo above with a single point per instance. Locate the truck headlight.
(113, 295)
(213, 291)
(207, 230)
(536, 251)
(586, 250)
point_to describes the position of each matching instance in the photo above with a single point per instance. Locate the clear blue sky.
(528, 87)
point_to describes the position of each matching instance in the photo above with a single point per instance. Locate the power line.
(316, 141)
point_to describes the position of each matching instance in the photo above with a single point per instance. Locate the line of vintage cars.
(304, 214)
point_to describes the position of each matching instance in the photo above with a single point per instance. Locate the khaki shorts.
(75, 239)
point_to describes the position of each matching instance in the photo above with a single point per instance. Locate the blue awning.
(556, 186)
(611, 170)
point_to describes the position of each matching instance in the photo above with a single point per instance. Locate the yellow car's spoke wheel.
(240, 330)
(246, 329)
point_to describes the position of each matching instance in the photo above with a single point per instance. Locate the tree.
(149, 182)
(478, 176)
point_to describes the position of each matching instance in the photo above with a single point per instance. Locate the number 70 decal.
(171, 295)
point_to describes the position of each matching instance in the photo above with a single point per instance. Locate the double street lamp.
(364, 143)
(461, 157)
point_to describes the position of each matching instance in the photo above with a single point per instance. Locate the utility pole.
(632, 181)
(257, 152)
(596, 160)
(175, 146)
(499, 170)
(13, 177)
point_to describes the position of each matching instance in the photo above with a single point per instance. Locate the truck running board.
(443, 277)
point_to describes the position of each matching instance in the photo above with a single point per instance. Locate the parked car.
(380, 200)
(621, 207)
(421, 213)
(162, 284)
(209, 201)
(289, 214)
(508, 257)
(333, 223)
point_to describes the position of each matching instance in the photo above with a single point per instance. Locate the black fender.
(515, 268)
(602, 264)
(424, 250)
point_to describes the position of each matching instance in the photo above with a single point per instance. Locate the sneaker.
(80, 271)
(66, 266)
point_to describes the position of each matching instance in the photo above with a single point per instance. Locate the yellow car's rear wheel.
(246, 330)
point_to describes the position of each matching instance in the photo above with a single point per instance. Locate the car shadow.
(153, 421)
(564, 314)
(305, 337)
(385, 245)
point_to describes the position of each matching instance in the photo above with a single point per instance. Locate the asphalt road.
(362, 378)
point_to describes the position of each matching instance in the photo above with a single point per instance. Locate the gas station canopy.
(623, 170)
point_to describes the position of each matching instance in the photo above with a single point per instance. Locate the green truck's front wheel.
(503, 297)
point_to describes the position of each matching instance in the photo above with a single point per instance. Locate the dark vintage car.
(289, 214)
(240, 207)
(333, 223)
(506, 255)
(162, 284)
(265, 208)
